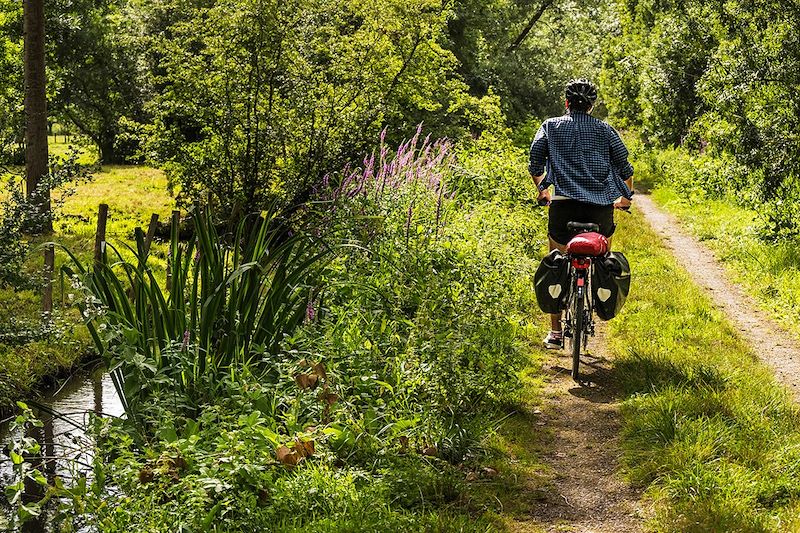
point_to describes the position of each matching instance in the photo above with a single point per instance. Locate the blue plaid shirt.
(585, 157)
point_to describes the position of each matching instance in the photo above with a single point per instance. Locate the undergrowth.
(384, 408)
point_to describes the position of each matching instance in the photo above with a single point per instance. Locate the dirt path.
(587, 494)
(768, 339)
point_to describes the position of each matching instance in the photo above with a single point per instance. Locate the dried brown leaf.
(287, 456)
(304, 448)
(301, 380)
(328, 397)
(319, 369)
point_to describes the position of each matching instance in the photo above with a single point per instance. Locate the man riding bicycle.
(587, 163)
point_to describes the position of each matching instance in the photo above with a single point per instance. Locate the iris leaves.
(225, 309)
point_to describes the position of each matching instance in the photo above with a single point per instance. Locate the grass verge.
(707, 428)
(29, 355)
(769, 271)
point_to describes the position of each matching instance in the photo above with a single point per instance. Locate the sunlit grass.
(768, 270)
(133, 194)
(61, 147)
(707, 427)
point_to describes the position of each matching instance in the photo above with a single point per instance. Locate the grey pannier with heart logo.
(551, 282)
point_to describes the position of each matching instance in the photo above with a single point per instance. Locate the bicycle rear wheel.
(577, 332)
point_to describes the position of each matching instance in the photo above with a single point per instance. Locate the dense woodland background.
(257, 100)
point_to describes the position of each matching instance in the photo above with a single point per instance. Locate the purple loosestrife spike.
(408, 221)
(439, 208)
(185, 343)
(311, 313)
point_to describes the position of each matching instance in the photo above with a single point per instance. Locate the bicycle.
(578, 322)
(585, 246)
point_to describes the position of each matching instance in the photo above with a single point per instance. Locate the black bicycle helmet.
(581, 94)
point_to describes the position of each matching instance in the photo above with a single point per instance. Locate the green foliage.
(261, 98)
(11, 117)
(431, 326)
(496, 170)
(525, 51)
(419, 329)
(720, 78)
(19, 215)
(225, 310)
(96, 80)
(653, 63)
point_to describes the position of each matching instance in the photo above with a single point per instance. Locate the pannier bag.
(610, 284)
(551, 282)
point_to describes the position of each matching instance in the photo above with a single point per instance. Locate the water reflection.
(66, 449)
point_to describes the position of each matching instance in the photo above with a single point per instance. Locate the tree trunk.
(108, 154)
(36, 116)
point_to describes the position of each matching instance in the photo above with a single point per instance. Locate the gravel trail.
(768, 339)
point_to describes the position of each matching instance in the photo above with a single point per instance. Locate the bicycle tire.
(577, 333)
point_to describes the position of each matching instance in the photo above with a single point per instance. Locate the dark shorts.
(564, 211)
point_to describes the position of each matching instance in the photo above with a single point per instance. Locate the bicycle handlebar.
(543, 202)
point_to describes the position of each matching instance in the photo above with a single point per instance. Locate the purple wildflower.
(185, 343)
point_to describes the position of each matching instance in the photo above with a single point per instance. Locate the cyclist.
(587, 163)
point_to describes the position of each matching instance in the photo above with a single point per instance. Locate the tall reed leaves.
(228, 305)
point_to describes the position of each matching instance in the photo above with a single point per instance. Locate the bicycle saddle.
(588, 244)
(582, 227)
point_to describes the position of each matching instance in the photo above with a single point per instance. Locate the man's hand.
(544, 197)
(622, 203)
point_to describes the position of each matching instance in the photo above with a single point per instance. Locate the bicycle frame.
(578, 322)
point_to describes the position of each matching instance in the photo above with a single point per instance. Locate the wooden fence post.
(49, 267)
(175, 228)
(100, 235)
(151, 232)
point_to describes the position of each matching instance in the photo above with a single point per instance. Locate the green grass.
(133, 193)
(61, 147)
(768, 271)
(514, 451)
(707, 428)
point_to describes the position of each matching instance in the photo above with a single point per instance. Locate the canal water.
(66, 448)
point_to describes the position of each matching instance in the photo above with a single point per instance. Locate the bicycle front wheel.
(577, 333)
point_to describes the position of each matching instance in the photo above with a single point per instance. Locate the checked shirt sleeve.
(619, 155)
(539, 153)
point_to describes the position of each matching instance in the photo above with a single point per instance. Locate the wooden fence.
(99, 252)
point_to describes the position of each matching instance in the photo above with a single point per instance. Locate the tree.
(96, 62)
(12, 121)
(720, 76)
(260, 98)
(36, 115)
(654, 63)
(525, 50)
